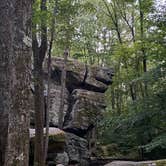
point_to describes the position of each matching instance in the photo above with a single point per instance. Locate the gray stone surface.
(76, 72)
(98, 78)
(81, 76)
(77, 150)
(85, 111)
(143, 163)
(62, 158)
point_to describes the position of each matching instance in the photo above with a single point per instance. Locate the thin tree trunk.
(113, 15)
(48, 90)
(144, 61)
(113, 98)
(39, 55)
(15, 64)
(39, 114)
(142, 35)
(47, 106)
(48, 82)
(133, 95)
(63, 86)
(39, 105)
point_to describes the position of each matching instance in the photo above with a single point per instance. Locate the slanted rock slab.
(80, 75)
(85, 111)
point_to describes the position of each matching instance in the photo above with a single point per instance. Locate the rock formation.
(84, 102)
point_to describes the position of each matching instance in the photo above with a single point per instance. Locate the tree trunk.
(48, 90)
(39, 114)
(15, 65)
(5, 53)
(63, 86)
(142, 35)
(144, 61)
(39, 55)
(47, 105)
(48, 81)
(115, 20)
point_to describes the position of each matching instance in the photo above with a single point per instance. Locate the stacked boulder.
(84, 102)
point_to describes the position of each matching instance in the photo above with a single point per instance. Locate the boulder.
(84, 112)
(143, 163)
(77, 150)
(62, 158)
(81, 76)
(83, 94)
(98, 78)
(64, 148)
(76, 72)
(57, 143)
(57, 139)
(84, 102)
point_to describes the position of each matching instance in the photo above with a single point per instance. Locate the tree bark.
(63, 86)
(15, 65)
(144, 61)
(48, 86)
(142, 35)
(5, 53)
(39, 55)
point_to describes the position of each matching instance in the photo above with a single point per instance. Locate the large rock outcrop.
(84, 97)
(84, 102)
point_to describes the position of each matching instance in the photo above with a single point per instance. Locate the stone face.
(85, 111)
(104, 75)
(98, 78)
(143, 163)
(77, 150)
